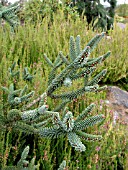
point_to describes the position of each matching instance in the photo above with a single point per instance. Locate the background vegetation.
(50, 34)
(122, 10)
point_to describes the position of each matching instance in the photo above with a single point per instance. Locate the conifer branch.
(13, 115)
(84, 73)
(85, 112)
(23, 91)
(26, 75)
(21, 99)
(105, 56)
(72, 127)
(23, 127)
(62, 165)
(72, 49)
(42, 99)
(53, 72)
(64, 59)
(36, 121)
(101, 88)
(97, 78)
(5, 89)
(78, 47)
(65, 111)
(82, 58)
(11, 71)
(42, 123)
(68, 122)
(11, 94)
(23, 164)
(45, 116)
(71, 95)
(75, 142)
(56, 120)
(88, 137)
(71, 72)
(94, 41)
(58, 81)
(13, 99)
(8, 14)
(80, 125)
(32, 114)
(74, 94)
(93, 63)
(48, 60)
(51, 132)
(58, 61)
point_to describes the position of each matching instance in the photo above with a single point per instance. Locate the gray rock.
(120, 97)
(118, 101)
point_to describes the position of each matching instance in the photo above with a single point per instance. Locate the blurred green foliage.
(122, 10)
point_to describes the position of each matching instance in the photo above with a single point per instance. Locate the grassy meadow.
(27, 46)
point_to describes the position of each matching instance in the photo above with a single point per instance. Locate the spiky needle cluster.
(62, 165)
(20, 120)
(36, 120)
(79, 65)
(23, 164)
(13, 98)
(18, 97)
(72, 127)
(8, 14)
(26, 73)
